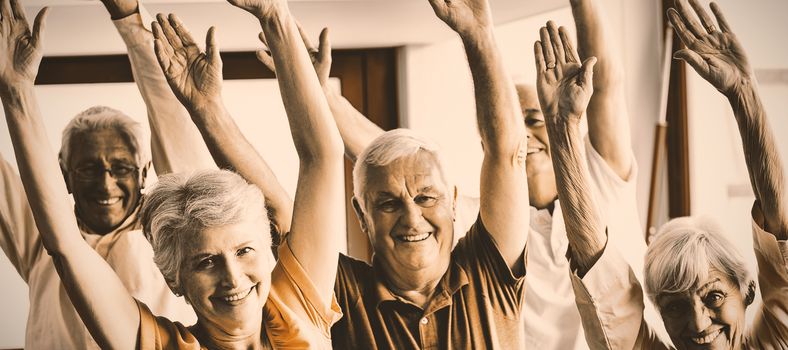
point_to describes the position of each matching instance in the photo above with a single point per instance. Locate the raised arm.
(99, 297)
(608, 119)
(176, 145)
(565, 87)
(318, 217)
(356, 130)
(504, 190)
(195, 77)
(717, 56)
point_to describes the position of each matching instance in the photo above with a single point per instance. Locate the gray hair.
(388, 148)
(684, 251)
(180, 204)
(100, 118)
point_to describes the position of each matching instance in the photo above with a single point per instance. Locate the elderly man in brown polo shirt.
(419, 293)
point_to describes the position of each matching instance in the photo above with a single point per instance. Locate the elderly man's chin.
(418, 255)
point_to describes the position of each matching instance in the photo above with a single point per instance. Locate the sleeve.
(159, 333)
(296, 317)
(770, 328)
(478, 254)
(18, 232)
(610, 301)
(176, 144)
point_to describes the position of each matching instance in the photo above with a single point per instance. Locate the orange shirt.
(294, 316)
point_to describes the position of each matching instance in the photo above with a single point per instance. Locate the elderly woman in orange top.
(208, 230)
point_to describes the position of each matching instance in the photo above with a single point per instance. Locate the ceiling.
(83, 26)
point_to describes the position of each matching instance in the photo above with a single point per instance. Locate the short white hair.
(388, 148)
(684, 251)
(181, 204)
(102, 118)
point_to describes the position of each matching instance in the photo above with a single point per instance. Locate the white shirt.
(550, 314)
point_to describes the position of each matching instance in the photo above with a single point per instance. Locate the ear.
(454, 204)
(175, 289)
(65, 176)
(362, 219)
(750, 297)
(144, 174)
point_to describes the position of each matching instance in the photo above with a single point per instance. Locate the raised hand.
(463, 16)
(260, 8)
(194, 76)
(715, 54)
(321, 56)
(120, 8)
(20, 49)
(564, 85)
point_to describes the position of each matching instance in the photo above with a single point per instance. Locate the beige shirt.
(294, 316)
(610, 301)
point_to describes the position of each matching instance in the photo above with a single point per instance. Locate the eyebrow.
(205, 254)
(707, 284)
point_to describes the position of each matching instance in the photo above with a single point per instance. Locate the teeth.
(237, 296)
(707, 339)
(109, 201)
(415, 238)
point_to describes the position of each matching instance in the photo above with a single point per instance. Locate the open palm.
(194, 76)
(463, 16)
(20, 49)
(716, 55)
(260, 8)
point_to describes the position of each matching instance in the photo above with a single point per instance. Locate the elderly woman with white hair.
(209, 231)
(697, 280)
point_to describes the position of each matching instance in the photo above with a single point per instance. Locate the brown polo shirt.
(477, 305)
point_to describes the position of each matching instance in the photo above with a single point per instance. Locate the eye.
(714, 299)
(673, 308)
(206, 263)
(243, 251)
(534, 122)
(426, 201)
(122, 169)
(388, 206)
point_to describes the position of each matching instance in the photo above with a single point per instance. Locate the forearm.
(608, 119)
(39, 170)
(313, 129)
(356, 130)
(231, 150)
(584, 230)
(176, 145)
(497, 108)
(763, 161)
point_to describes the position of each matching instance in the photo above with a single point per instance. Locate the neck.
(416, 287)
(237, 339)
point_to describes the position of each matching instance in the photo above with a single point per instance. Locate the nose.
(231, 274)
(699, 318)
(412, 217)
(107, 181)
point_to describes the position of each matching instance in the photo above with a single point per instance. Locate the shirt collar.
(451, 282)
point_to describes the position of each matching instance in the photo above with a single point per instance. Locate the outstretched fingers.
(183, 34)
(547, 48)
(541, 67)
(721, 21)
(681, 29)
(6, 13)
(324, 46)
(162, 48)
(569, 50)
(705, 19)
(168, 32)
(557, 44)
(694, 60)
(39, 25)
(683, 8)
(17, 11)
(212, 48)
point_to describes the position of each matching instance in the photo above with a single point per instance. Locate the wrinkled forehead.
(107, 143)
(408, 174)
(529, 100)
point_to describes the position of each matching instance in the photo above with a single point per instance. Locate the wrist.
(15, 89)
(742, 90)
(201, 112)
(121, 11)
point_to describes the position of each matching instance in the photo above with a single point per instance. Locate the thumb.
(586, 75)
(39, 24)
(211, 48)
(693, 59)
(265, 58)
(324, 46)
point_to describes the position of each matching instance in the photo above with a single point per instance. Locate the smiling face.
(103, 202)
(225, 275)
(708, 317)
(408, 216)
(542, 190)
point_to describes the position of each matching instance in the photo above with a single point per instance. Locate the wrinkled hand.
(20, 49)
(714, 53)
(463, 16)
(261, 9)
(120, 8)
(195, 77)
(564, 85)
(321, 57)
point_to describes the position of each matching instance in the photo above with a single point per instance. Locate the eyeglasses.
(94, 172)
